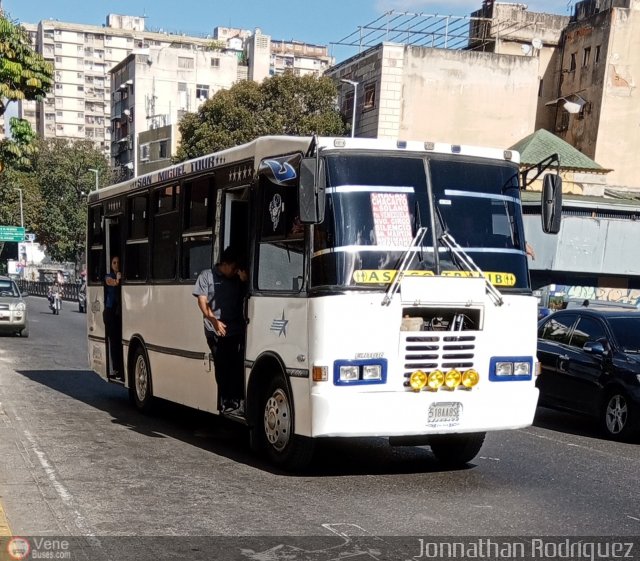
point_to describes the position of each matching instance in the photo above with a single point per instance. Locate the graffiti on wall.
(618, 295)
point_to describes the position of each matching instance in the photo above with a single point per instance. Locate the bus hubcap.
(277, 420)
(141, 379)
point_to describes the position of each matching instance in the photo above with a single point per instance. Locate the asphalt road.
(77, 460)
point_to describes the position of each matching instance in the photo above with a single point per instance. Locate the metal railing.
(41, 288)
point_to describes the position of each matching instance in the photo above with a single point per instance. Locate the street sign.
(11, 234)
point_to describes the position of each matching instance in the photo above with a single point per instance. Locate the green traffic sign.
(11, 234)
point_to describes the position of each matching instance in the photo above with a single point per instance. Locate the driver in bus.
(220, 292)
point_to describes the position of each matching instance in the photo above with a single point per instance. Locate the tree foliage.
(24, 74)
(18, 150)
(284, 104)
(61, 172)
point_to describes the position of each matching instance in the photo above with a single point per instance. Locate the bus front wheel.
(274, 429)
(456, 450)
(140, 389)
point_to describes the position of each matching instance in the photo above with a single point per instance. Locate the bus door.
(112, 317)
(235, 224)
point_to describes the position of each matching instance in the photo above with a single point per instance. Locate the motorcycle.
(55, 302)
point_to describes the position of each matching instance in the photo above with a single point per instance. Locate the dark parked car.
(590, 363)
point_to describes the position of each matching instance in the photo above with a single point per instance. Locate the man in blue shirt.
(113, 318)
(220, 292)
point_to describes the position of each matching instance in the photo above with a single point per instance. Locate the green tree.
(284, 104)
(61, 170)
(24, 75)
(10, 181)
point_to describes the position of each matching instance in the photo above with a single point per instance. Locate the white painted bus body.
(348, 326)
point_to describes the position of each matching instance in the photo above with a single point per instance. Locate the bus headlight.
(354, 372)
(504, 368)
(512, 368)
(371, 372)
(348, 373)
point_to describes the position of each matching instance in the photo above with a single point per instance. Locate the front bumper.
(495, 406)
(12, 321)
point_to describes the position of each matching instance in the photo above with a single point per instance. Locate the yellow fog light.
(452, 379)
(470, 378)
(418, 380)
(435, 380)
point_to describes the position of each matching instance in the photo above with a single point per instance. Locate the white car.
(13, 310)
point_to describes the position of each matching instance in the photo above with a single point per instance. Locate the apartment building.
(152, 89)
(79, 107)
(282, 56)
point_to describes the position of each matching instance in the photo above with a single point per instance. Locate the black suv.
(590, 363)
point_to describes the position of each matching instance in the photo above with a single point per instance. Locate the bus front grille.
(437, 352)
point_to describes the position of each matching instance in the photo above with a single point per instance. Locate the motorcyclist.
(55, 297)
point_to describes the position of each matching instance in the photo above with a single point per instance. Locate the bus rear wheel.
(274, 429)
(140, 388)
(456, 450)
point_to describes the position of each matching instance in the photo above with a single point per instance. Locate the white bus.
(389, 289)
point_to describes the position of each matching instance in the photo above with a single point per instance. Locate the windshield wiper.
(469, 264)
(404, 265)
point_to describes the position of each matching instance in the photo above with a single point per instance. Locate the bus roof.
(273, 146)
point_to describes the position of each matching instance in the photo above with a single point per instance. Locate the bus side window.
(281, 248)
(95, 265)
(198, 210)
(137, 244)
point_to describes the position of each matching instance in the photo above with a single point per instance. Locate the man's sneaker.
(233, 407)
(228, 405)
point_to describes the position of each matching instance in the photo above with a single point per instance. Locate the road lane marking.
(62, 492)
(569, 444)
(4, 524)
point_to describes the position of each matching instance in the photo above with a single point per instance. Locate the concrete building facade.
(520, 72)
(153, 89)
(420, 93)
(600, 67)
(511, 29)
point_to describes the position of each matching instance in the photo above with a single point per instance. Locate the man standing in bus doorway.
(113, 317)
(220, 292)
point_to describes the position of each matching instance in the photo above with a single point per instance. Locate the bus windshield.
(376, 203)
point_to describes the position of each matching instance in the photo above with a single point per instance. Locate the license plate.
(444, 414)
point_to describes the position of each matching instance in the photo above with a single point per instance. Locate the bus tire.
(140, 387)
(274, 429)
(456, 450)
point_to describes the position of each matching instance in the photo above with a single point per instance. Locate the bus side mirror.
(551, 203)
(311, 191)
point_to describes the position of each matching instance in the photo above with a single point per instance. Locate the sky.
(320, 22)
